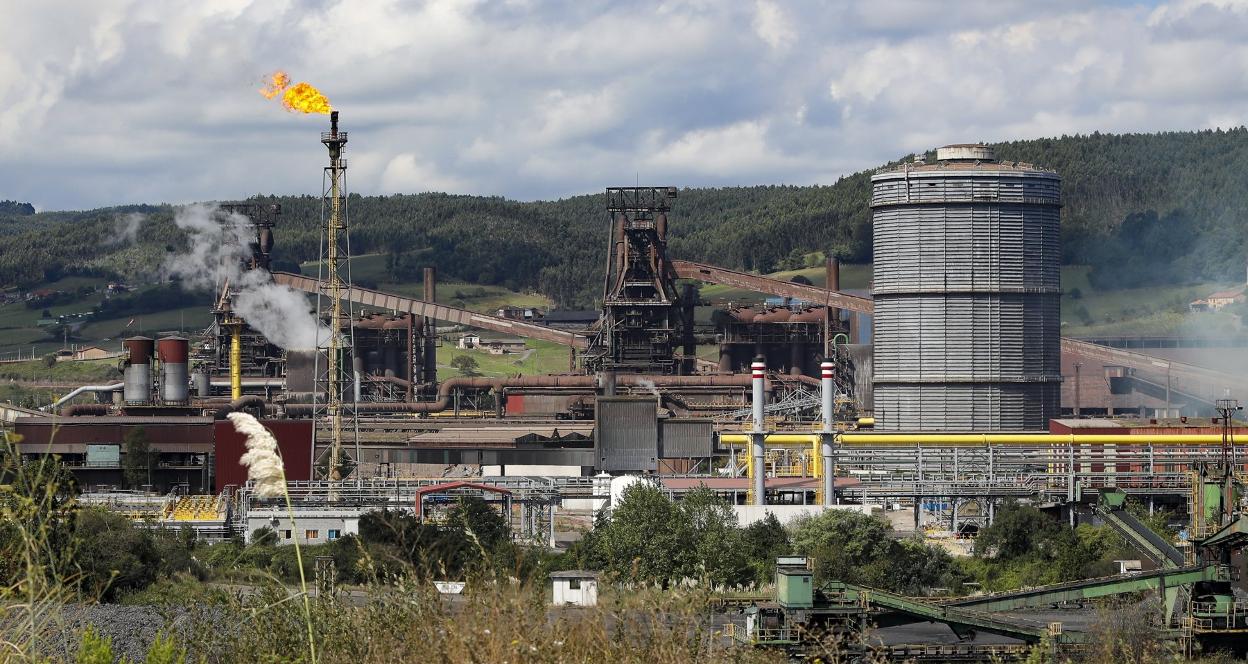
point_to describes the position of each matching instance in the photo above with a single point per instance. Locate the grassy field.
(1086, 311)
(474, 297)
(186, 320)
(69, 371)
(1138, 311)
(853, 277)
(543, 357)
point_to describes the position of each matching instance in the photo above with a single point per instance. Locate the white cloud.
(406, 173)
(123, 101)
(772, 25)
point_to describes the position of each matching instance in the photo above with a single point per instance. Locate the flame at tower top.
(297, 98)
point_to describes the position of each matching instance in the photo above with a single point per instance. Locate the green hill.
(1140, 210)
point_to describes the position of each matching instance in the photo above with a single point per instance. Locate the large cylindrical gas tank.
(174, 371)
(137, 382)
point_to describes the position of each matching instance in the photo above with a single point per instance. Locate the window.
(311, 534)
(333, 534)
(285, 534)
(574, 584)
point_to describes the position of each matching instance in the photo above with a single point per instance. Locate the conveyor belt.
(440, 312)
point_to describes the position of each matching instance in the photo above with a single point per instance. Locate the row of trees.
(651, 539)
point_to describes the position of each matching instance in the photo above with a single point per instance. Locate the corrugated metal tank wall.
(966, 286)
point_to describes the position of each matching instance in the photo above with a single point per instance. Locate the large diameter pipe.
(827, 390)
(972, 440)
(429, 352)
(250, 401)
(828, 466)
(236, 361)
(447, 388)
(81, 390)
(758, 377)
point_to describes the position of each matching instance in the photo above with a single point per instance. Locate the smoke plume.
(125, 229)
(648, 385)
(220, 245)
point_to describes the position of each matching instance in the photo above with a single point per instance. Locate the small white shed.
(575, 588)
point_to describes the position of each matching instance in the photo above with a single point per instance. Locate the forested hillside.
(1141, 209)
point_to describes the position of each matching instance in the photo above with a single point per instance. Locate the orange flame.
(304, 98)
(297, 98)
(278, 82)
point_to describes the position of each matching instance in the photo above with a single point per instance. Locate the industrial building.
(946, 391)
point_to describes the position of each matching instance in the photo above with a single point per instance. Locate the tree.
(466, 364)
(763, 541)
(856, 548)
(717, 551)
(1018, 530)
(647, 538)
(113, 556)
(481, 522)
(139, 459)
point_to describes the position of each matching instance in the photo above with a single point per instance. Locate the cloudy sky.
(110, 102)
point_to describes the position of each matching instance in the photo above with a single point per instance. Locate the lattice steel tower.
(335, 282)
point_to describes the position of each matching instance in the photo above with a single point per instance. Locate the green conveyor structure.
(1111, 509)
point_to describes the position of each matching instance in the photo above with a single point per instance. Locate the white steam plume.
(649, 385)
(220, 246)
(125, 229)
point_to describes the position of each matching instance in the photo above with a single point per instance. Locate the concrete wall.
(747, 514)
(345, 522)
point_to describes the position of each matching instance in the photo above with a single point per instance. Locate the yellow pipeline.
(972, 440)
(236, 361)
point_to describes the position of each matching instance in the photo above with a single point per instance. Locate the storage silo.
(174, 376)
(967, 291)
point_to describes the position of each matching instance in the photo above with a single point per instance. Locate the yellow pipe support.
(236, 361)
(970, 440)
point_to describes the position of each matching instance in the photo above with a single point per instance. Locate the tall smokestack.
(828, 467)
(333, 124)
(431, 327)
(759, 371)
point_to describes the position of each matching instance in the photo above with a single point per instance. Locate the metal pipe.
(448, 387)
(828, 468)
(979, 440)
(262, 382)
(251, 400)
(236, 361)
(758, 371)
(429, 354)
(80, 390)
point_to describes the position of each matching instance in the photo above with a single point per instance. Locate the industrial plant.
(941, 393)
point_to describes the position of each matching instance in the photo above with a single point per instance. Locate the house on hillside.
(512, 312)
(91, 353)
(1219, 300)
(494, 345)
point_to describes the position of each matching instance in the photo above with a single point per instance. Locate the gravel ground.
(132, 628)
